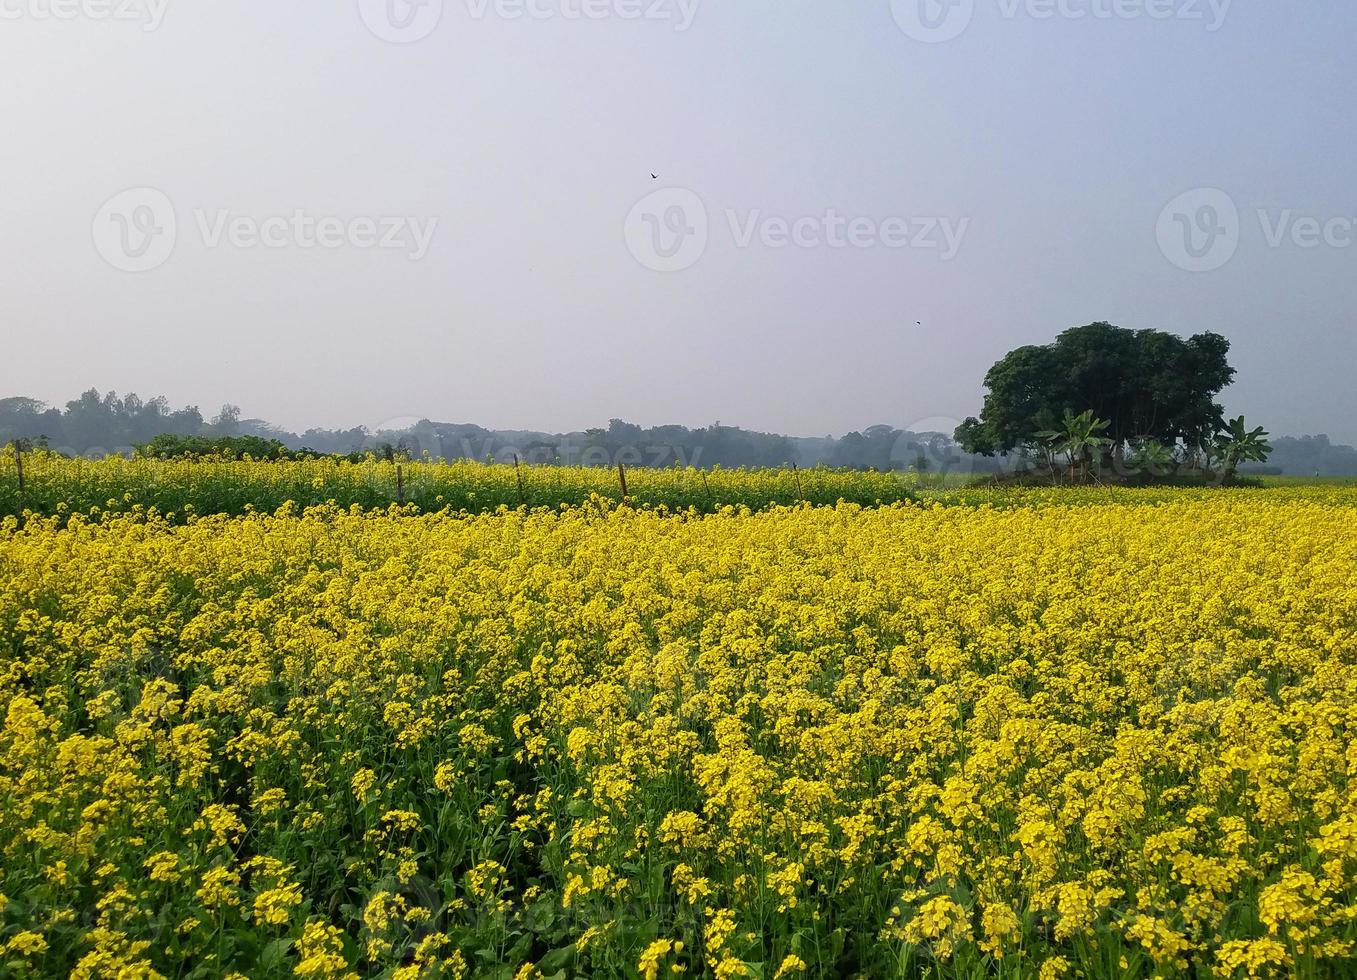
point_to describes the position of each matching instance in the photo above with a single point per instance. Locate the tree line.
(1099, 396)
(97, 424)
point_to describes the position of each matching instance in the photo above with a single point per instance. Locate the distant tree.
(875, 448)
(21, 418)
(624, 433)
(89, 421)
(227, 422)
(1144, 383)
(1313, 455)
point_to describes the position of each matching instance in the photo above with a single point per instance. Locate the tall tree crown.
(1145, 383)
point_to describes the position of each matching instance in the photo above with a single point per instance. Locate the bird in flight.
(654, 176)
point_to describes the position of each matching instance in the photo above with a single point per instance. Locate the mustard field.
(211, 486)
(1100, 734)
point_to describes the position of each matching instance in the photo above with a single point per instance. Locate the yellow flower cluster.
(208, 486)
(1042, 740)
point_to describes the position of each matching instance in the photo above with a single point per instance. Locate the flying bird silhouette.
(654, 176)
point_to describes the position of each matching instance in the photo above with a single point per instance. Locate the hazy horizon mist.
(334, 215)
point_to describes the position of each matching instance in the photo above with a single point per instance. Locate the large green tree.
(1147, 384)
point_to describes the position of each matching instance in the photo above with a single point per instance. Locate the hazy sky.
(355, 212)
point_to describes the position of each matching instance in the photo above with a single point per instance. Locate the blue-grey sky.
(344, 213)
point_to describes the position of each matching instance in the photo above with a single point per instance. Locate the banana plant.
(1078, 438)
(1237, 444)
(1153, 457)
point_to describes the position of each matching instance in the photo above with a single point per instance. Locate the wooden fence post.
(800, 497)
(19, 463)
(518, 473)
(400, 486)
(622, 476)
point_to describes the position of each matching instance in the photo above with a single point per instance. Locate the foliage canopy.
(1147, 384)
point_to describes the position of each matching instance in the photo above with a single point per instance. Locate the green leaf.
(274, 954)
